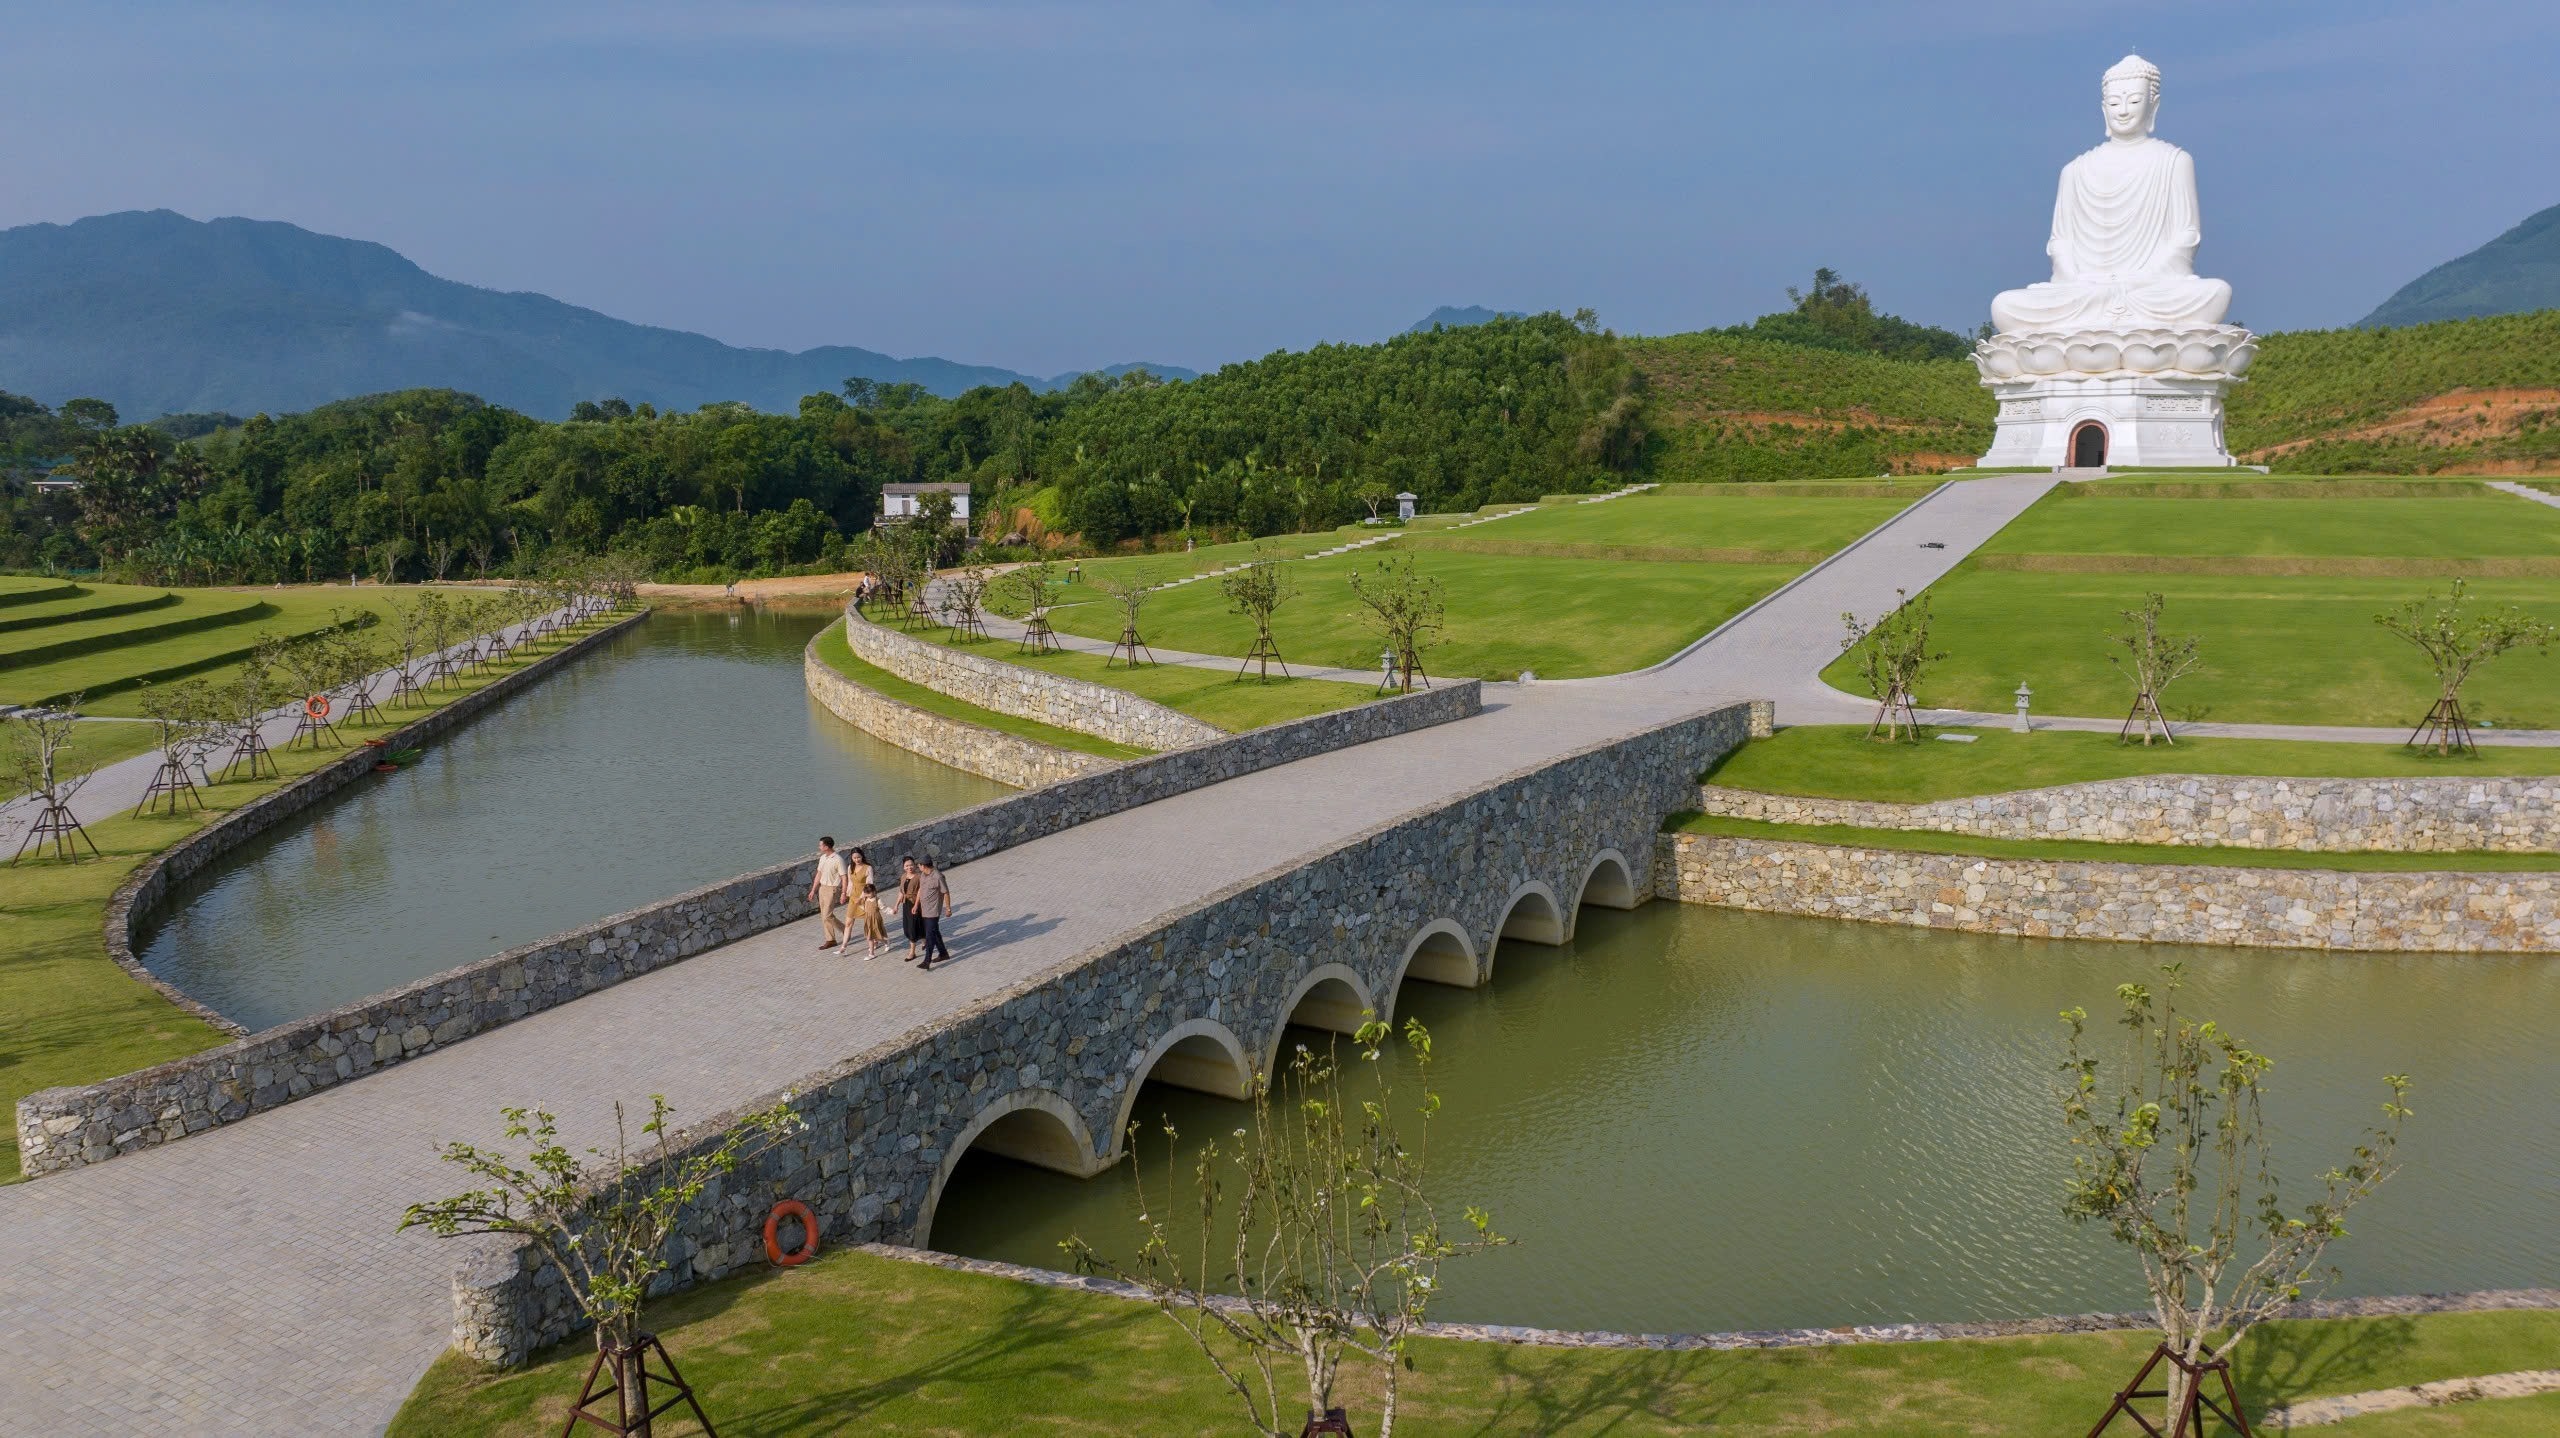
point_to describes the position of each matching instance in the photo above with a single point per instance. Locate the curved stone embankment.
(990, 753)
(68, 1127)
(1025, 693)
(2431, 815)
(1047, 1070)
(2441, 912)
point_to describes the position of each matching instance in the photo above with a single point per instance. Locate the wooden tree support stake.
(251, 749)
(2146, 712)
(2444, 730)
(57, 824)
(627, 1388)
(1037, 636)
(2189, 1420)
(1266, 652)
(169, 783)
(1131, 645)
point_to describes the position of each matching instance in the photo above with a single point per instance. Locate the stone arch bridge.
(1047, 1071)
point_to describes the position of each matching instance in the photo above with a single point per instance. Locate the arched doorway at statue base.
(2118, 421)
(2088, 446)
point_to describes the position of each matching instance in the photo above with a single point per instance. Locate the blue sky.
(1049, 187)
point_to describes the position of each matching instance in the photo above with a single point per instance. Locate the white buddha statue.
(2125, 230)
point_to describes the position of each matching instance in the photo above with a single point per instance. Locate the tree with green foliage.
(1406, 607)
(2456, 641)
(2171, 1154)
(1256, 589)
(2153, 662)
(603, 1220)
(1333, 1244)
(1837, 314)
(1891, 656)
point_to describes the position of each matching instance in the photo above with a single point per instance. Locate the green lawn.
(836, 655)
(1174, 563)
(1916, 841)
(1741, 518)
(23, 651)
(73, 1016)
(1564, 618)
(110, 676)
(2475, 521)
(1839, 761)
(857, 1343)
(1213, 696)
(2276, 649)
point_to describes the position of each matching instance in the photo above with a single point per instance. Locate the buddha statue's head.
(2129, 97)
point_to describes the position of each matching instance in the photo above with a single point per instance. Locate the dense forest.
(433, 483)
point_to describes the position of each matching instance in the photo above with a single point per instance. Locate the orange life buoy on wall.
(317, 706)
(808, 1249)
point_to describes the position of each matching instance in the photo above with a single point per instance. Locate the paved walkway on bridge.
(249, 1279)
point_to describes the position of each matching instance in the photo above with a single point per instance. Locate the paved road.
(249, 1279)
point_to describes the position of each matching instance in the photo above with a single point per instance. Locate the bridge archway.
(1329, 996)
(1033, 1126)
(1203, 1055)
(1609, 882)
(1441, 954)
(1530, 915)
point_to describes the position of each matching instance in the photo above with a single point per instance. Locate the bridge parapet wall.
(1048, 1070)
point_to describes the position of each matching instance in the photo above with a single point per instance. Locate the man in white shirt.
(827, 889)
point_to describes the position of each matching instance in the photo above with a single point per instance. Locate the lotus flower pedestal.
(2113, 398)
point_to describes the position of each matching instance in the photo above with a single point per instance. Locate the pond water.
(1696, 1119)
(683, 752)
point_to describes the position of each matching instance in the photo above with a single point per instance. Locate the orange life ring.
(808, 1249)
(317, 706)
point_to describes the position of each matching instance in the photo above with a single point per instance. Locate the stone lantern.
(2024, 694)
(1404, 506)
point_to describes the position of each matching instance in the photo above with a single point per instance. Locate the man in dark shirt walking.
(933, 905)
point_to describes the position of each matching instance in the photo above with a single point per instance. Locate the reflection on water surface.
(1695, 1119)
(685, 753)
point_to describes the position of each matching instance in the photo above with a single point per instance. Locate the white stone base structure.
(2112, 398)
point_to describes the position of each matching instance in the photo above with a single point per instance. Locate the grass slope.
(1567, 591)
(109, 675)
(74, 1017)
(854, 1342)
(1839, 761)
(1728, 408)
(836, 655)
(1917, 841)
(1214, 696)
(2297, 646)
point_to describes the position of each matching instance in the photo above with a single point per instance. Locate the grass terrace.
(106, 640)
(2283, 593)
(1214, 696)
(1567, 591)
(857, 1342)
(1839, 761)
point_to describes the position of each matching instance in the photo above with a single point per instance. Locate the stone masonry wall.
(1026, 693)
(1064, 1053)
(60, 1128)
(2434, 815)
(1005, 758)
(2161, 903)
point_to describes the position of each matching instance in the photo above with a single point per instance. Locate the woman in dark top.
(908, 909)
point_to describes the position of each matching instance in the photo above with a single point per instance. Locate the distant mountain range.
(2514, 273)
(1459, 317)
(160, 314)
